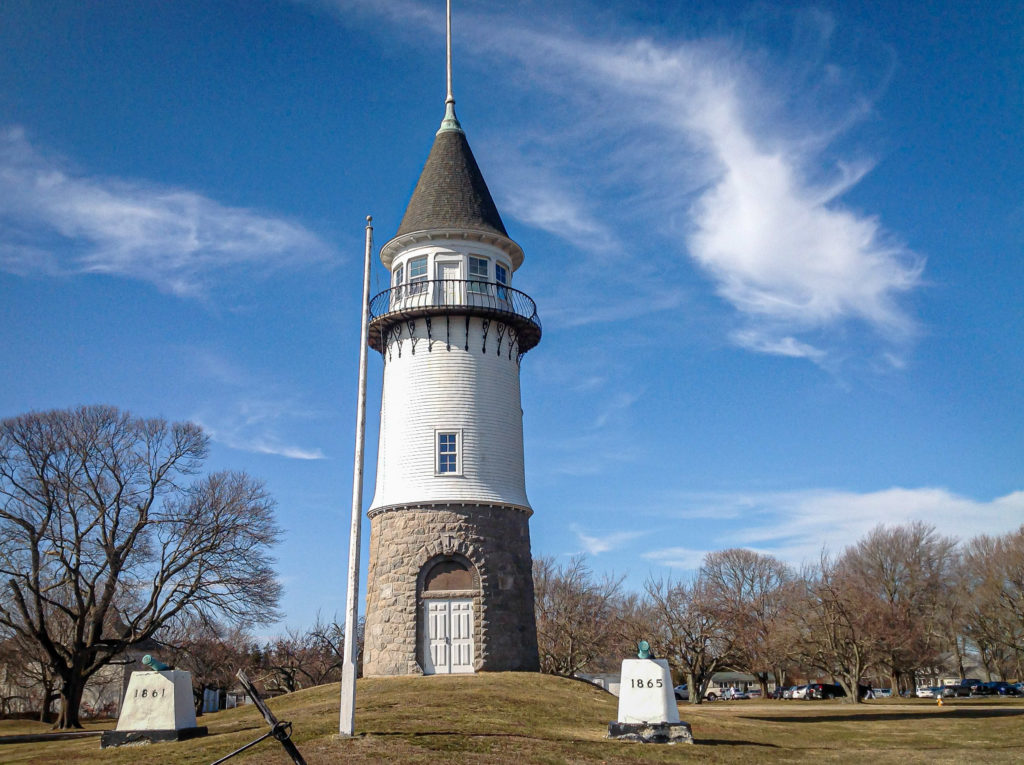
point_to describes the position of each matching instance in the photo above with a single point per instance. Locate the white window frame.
(457, 433)
(415, 286)
(396, 285)
(478, 282)
(502, 285)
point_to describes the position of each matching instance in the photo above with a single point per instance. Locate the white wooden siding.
(473, 392)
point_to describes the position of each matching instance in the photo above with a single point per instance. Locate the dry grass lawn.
(519, 718)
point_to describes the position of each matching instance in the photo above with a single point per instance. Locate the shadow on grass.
(732, 742)
(457, 733)
(962, 714)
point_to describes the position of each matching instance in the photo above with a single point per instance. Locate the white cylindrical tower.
(450, 586)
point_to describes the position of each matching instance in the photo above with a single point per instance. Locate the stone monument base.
(652, 733)
(136, 737)
(158, 706)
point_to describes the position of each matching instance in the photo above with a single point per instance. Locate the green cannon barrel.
(154, 664)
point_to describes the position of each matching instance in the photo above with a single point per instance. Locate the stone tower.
(450, 586)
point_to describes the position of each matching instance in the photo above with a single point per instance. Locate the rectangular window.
(447, 453)
(477, 274)
(501, 277)
(417, 275)
(396, 285)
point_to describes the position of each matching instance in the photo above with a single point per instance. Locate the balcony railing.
(487, 297)
(445, 296)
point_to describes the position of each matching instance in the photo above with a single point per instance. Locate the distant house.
(608, 681)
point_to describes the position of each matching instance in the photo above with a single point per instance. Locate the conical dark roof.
(451, 192)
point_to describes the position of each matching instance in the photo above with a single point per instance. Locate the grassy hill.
(527, 718)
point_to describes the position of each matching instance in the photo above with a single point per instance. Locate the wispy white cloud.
(769, 226)
(592, 444)
(247, 413)
(533, 196)
(576, 306)
(615, 406)
(796, 526)
(684, 558)
(707, 143)
(239, 432)
(757, 340)
(595, 545)
(57, 221)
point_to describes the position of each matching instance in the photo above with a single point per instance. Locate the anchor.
(280, 730)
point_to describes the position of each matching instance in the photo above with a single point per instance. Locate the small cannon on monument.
(154, 664)
(157, 707)
(648, 712)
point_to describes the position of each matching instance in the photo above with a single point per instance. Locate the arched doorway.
(449, 584)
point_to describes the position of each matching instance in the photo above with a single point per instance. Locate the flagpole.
(348, 666)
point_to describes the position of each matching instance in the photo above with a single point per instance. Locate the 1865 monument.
(647, 706)
(450, 586)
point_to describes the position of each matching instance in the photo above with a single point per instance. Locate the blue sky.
(777, 250)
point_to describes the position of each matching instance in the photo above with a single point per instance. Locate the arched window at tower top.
(448, 574)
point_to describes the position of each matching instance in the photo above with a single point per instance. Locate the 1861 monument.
(450, 585)
(158, 706)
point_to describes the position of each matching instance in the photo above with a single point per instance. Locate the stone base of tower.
(450, 589)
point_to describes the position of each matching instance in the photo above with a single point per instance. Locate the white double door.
(448, 636)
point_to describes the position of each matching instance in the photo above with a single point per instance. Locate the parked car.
(964, 688)
(801, 692)
(882, 693)
(996, 688)
(734, 694)
(825, 691)
(682, 693)
(787, 693)
(929, 691)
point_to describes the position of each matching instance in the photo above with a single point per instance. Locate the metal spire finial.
(450, 121)
(448, 38)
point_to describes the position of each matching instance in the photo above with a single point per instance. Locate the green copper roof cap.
(450, 121)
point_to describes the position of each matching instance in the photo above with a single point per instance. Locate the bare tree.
(995, 570)
(750, 591)
(953, 613)
(304, 658)
(837, 629)
(212, 653)
(689, 630)
(903, 575)
(27, 680)
(103, 539)
(576, 616)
